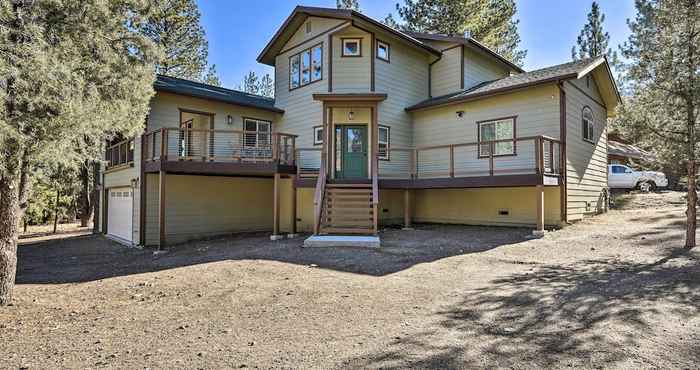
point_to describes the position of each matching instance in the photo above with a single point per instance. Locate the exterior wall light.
(351, 115)
(229, 120)
(460, 113)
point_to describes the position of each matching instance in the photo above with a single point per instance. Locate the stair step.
(348, 191)
(342, 241)
(341, 186)
(348, 230)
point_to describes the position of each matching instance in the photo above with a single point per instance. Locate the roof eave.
(179, 92)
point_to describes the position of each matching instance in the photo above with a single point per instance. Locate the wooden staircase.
(348, 208)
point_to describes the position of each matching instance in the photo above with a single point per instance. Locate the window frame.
(316, 129)
(585, 125)
(257, 132)
(300, 55)
(514, 120)
(387, 156)
(388, 51)
(359, 47)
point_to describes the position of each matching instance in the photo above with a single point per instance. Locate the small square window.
(352, 47)
(318, 135)
(382, 51)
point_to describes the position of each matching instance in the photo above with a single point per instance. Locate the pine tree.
(250, 83)
(487, 21)
(664, 76)
(348, 4)
(211, 77)
(68, 70)
(175, 26)
(391, 22)
(593, 41)
(266, 86)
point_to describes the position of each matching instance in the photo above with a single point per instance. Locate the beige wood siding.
(302, 113)
(201, 206)
(318, 26)
(586, 162)
(405, 81)
(537, 111)
(352, 74)
(479, 68)
(444, 74)
(165, 112)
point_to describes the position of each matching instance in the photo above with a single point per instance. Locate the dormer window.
(306, 67)
(352, 47)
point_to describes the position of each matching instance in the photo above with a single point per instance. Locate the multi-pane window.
(306, 67)
(382, 51)
(497, 130)
(257, 132)
(587, 124)
(383, 141)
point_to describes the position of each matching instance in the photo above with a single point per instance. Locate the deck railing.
(520, 156)
(120, 154)
(172, 144)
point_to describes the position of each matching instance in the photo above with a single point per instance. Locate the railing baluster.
(551, 156)
(452, 161)
(492, 148)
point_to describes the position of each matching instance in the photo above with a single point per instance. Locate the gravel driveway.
(613, 291)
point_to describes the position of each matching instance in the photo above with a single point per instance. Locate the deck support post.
(539, 196)
(276, 209)
(293, 209)
(161, 209)
(407, 211)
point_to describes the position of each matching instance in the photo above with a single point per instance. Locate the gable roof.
(561, 72)
(628, 151)
(199, 90)
(299, 15)
(466, 41)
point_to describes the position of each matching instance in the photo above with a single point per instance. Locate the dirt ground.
(613, 291)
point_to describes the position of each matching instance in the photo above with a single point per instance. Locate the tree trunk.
(95, 197)
(55, 211)
(9, 220)
(84, 199)
(692, 204)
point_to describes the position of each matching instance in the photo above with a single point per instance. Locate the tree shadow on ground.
(587, 314)
(94, 257)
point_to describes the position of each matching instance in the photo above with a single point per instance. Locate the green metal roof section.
(199, 90)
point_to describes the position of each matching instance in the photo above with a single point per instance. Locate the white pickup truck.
(624, 177)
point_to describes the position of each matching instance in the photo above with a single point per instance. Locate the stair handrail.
(375, 194)
(319, 195)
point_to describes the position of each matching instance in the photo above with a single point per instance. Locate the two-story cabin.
(369, 126)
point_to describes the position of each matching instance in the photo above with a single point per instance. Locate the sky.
(238, 30)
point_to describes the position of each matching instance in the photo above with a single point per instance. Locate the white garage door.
(119, 213)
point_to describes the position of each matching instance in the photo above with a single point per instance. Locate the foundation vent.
(504, 212)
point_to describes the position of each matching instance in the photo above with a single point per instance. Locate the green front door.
(352, 152)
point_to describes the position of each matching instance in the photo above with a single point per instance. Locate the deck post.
(407, 211)
(161, 209)
(293, 209)
(539, 196)
(276, 208)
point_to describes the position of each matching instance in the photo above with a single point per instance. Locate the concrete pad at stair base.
(342, 241)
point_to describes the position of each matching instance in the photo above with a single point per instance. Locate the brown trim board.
(562, 150)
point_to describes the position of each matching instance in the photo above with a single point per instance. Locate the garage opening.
(120, 214)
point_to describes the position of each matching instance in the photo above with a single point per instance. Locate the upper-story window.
(306, 67)
(257, 132)
(352, 47)
(383, 50)
(588, 125)
(502, 131)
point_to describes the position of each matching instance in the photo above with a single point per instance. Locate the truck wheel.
(647, 186)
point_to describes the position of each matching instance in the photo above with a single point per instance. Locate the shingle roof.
(204, 91)
(465, 40)
(540, 76)
(627, 150)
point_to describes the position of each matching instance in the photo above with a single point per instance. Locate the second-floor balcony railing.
(173, 144)
(120, 154)
(519, 156)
